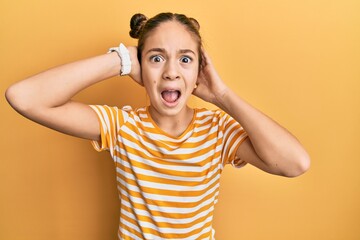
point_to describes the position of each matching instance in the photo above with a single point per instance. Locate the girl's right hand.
(135, 73)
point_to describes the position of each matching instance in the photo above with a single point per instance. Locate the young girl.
(168, 156)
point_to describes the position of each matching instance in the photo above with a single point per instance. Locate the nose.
(171, 71)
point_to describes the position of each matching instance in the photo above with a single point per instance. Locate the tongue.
(170, 96)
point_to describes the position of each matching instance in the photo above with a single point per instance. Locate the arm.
(269, 146)
(46, 97)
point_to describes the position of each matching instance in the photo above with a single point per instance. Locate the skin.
(169, 61)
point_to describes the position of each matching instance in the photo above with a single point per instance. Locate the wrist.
(220, 96)
(135, 73)
(125, 60)
(221, 90)
(114, 63)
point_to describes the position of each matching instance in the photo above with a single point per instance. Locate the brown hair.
(141, 27)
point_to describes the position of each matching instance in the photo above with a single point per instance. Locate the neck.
(173, 125)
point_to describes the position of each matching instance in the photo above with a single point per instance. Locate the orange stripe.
(168, 181)
(167, 204)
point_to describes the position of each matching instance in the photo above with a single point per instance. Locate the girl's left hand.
(135, 73)
(210, 86)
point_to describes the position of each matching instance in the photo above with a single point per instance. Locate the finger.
(205, 56)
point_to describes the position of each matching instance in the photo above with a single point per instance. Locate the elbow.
(16, 99)
(10, 96)
(300, 165)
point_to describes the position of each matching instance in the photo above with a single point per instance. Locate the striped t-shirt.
(168, 186)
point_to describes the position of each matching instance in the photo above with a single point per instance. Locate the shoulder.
(116, 114)
(207, 112)
(215, 114)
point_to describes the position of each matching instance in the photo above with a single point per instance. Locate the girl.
(168, 156)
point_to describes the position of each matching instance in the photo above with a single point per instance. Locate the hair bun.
(137, 23)
(195, 23)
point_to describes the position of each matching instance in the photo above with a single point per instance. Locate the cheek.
(145, 75)
(150, 82)
(193, 74)
(151, 76)
(196, 70)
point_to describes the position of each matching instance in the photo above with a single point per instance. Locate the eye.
(156, 58)
(185, 59)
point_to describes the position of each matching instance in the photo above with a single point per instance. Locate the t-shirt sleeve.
(110, 120)
(234, 135)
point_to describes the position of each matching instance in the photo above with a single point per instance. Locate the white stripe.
(147, 124)
(128, 234)
(154, 237)
(236, 142)
(230, 139)
(206, 113)
(149, 159)
(152, 164)
(199, 129)
(105, 122)
(202, 137)
(125, 115)
(143, 115)
(167, 176)
(176, 220)
(166, 230)
(163, 150)
(159, 137)
(176, 230)
(164, 209)
(168, 198)
(132, 226)
(202, 121)
(173, 187)
(188, 160)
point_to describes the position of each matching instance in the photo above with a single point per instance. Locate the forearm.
(55, 87)
(275, 146)
(269, 147)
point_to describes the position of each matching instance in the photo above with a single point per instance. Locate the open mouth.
(170, 96)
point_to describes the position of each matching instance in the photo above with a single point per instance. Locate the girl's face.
(169, 66)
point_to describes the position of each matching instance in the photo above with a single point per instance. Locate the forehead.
(171, 36)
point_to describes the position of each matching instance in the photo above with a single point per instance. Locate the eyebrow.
(187, 51)
(162, 50)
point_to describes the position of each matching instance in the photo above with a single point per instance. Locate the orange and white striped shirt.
(168, 186)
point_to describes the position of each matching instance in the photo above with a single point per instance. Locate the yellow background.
(298, 61)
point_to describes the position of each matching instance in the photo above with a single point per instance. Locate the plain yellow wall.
(298, 61)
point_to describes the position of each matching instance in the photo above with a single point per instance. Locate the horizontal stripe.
(173, 187)
(170, 195)
(176, 168)
(158, 208)
(152, 176)
(161, 220)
